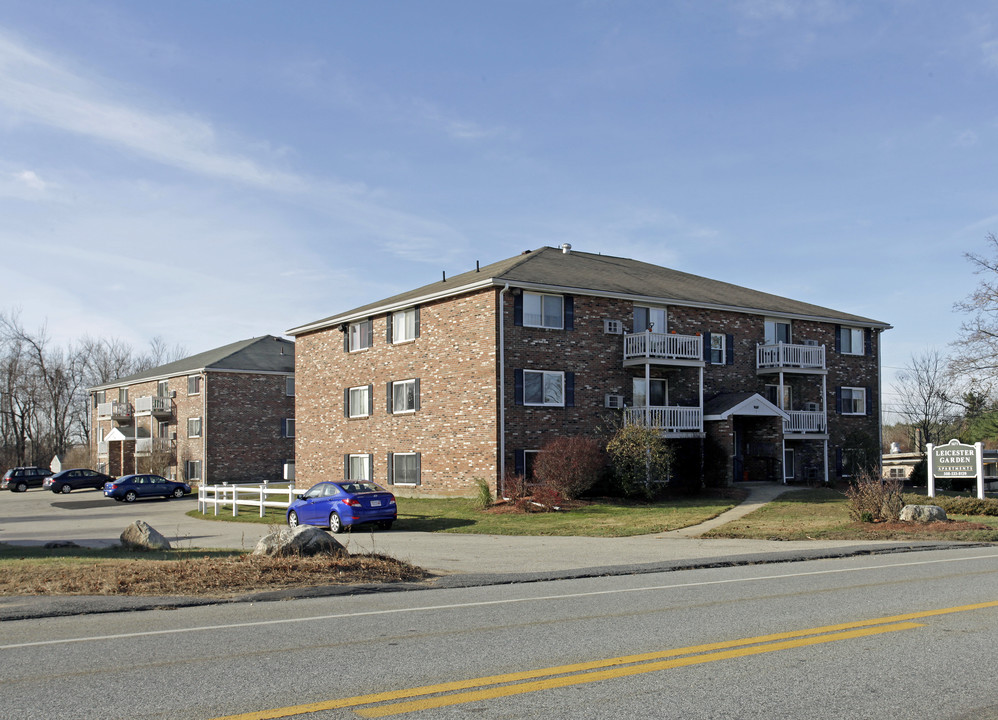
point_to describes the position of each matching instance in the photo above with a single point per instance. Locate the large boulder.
(302, 540)
(923, 513)
(141, 536)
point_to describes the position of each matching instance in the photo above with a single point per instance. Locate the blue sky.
(212, 171)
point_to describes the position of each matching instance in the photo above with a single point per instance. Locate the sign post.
(955, 460)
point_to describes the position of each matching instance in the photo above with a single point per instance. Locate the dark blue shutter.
(391, 470)
(518, 309)
(388, 395)
(569, 312)
(346, 339)
(869, 400)
(370, 332)
(729, 349)
(346, 467)
(519, 462)
(838, 338)
(838, 400)
(416, 310)
(518, 386)
(370, 399)
(388, 334)
(868, 342)
(370, 467)
(284, 427)
(838, 461)
(706, 348)
(416, 406)
(570, 389)
(346, 402)
(419, 469)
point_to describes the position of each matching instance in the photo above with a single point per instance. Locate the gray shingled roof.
(586, 273)
(268, 354)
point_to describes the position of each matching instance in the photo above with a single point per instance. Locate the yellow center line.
(458, 685)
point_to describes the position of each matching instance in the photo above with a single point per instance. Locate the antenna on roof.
(445, 275)
(477, 268)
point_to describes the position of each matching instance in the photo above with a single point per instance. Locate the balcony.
(114, 410)
(799, 358)
(803, 422)
(153, 405)
(147, 446)
(663, 348)
(669, 419)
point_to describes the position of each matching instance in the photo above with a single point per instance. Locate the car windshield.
(359, 487)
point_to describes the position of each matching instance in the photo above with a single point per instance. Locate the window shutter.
(706, 347)
(569, 312)
(868, 391)
(518, 309)
(416, 310)
(389, 399)
(284, 428)
(569, 389)
(370, 399)
(370, 332)
(346, 467)
(868, 342)
(519, 462)
(419, 469)
(346, 339)
(391, 470)
(838, 400)
(388, 334)
(838, 338)
(370, 467)
(518, 386)
(346, 402)
(729, 349)
(838, 461)
(416, 407)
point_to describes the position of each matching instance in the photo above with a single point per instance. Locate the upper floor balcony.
(153, 405)
(805, 422)
(790, 358)
(147, 446)
(663, 349)
(669, 419)
(115, 410)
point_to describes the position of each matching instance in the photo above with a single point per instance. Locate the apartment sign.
(955, 460)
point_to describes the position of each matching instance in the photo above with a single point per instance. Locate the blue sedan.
(130, 488)
(339, 505)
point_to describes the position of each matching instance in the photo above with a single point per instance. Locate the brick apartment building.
(468, 377)
(225, 415)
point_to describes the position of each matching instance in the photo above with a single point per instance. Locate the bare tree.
(977, 359)
(923, 402)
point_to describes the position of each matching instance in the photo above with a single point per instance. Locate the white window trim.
(197, 384)
(854, 333)
(542, 296)
(187, 470)
(544, 374)
(398, 339)
(357, 326)
(200, 429)
(365, 405)
(852, 400)
(395, 467)
(395, 387)
(365, 459)
(724, 347)
(289, 427)
(788, 467)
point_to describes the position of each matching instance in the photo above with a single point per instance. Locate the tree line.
(44, 403)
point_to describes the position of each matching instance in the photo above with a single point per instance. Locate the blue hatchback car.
(339, 505)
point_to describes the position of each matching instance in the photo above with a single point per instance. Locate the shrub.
(874, 500)
(513, 486)
(641, 461)
(569, 465)
(483, 499)
(959, 505)
(547, 497)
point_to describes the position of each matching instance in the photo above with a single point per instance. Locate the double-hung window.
(851, 341)
(358, 466)
(403, 396)
(288, 427)
(546, 311)
(404, 468)
(359, 335)
(289, 385)
(357, 401)
(192, 469)
(194, 427)
(543, 387)
(123, 395)
(404, 325)
(717, 349)
(853, 401)
(194, 384)
(163, 388)
(776, 331)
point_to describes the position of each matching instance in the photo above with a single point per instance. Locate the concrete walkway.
(759, 495)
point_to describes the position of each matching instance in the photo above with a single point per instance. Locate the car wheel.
(22, 487)
(65, 489)
(385, 524)
(130, 496)
(335, 524)
(178, 492)
(293, 519)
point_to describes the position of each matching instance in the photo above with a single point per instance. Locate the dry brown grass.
(198, 576)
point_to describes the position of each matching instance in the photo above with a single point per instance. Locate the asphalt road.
(900, 636)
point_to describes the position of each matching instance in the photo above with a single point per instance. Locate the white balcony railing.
(782, 355)
(115, 409)
(154, 404)
(804, 421)
(663, 346)
(666, 418)
(144, 446)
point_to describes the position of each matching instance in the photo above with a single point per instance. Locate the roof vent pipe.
(566, 248)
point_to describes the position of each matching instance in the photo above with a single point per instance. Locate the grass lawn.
(599, 519)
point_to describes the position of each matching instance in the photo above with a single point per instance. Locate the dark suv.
(20, 479)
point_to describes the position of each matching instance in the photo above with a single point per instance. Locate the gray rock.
(141, 536)
(923, 513)
(302, 540)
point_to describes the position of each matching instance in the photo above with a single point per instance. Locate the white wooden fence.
(257, 496)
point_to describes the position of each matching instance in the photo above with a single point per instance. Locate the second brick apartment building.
(470, 376)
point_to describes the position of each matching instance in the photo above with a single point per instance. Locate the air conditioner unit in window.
(613, 327)
(173, 393)
(289, 471)
(614, 401)
(811, 342)
(173, 434)
(812, 407)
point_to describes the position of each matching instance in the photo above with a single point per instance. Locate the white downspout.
(502, 393)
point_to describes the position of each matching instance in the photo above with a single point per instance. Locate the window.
(529, 458)
(289, 385)
(403, 325)
(193, 384)
(192, 468)
(403, 396)
(100, 433)
(853, 401)
(194, 427)
(851, 341)
(545, 311)
(100, 397)
(777, 331)
(359, 335)
(123, 395)
(163, 388)
(543, 387)
(358, 467)
(717, 349)
(659, 396)
(788, 464)
(649, 318)
(403, 468)
(289, 469)
(897, 472)
(288, 427)
(773, 395)
(163, 430)
(357, 401)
